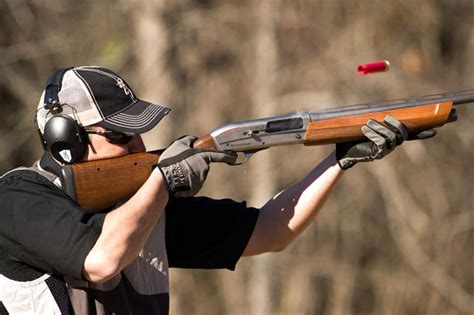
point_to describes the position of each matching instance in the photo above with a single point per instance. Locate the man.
(57, 257)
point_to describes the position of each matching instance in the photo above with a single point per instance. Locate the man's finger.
(222, 157)
(398, 127)
(389, 135)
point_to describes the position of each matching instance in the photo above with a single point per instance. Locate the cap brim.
(138, 118)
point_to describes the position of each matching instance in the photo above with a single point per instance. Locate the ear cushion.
(64, 139)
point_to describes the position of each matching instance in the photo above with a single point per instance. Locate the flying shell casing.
(373, 67)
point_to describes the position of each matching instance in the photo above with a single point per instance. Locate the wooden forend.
(348, 128)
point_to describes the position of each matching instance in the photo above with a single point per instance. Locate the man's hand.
(383, 140)
(185, 168)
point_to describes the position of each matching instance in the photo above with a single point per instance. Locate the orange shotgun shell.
(373, 67)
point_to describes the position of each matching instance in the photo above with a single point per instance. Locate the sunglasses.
(114, 137)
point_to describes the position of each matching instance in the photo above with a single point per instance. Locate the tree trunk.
(263, 167)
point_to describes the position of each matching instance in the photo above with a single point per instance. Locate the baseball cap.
(96, 95)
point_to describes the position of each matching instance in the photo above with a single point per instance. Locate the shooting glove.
(185, 168)
(383, 140)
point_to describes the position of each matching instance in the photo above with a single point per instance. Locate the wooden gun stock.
(205, 142)
(98, 185)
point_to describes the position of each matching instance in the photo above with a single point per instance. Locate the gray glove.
(383, 140)
(185, 168)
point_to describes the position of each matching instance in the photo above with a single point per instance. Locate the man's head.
(90, 98)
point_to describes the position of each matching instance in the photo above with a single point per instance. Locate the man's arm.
(181, 170)
(287, 215)
(126, 230)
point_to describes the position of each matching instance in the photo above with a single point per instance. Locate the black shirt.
(43, 231)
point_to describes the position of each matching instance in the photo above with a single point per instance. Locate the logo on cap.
(124, 87)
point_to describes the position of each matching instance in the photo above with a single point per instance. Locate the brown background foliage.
(394, 236)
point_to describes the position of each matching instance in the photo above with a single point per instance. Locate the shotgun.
(100, 184)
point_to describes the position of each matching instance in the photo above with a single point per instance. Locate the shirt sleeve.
(47, 230)
(207, 233)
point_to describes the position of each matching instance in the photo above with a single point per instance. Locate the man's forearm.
(285, 216)
(126, 230)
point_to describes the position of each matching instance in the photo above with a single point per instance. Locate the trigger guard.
(243, 157)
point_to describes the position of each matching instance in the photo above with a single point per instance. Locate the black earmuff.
(63, 137)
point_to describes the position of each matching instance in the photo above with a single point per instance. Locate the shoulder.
(205, 203)
(204, 211)
(29, 176)
(27, 173)
(28, 184)
(209, 210)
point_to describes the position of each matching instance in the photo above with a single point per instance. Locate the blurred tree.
(395, 237)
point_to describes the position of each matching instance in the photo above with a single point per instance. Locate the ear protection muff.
(63, 137)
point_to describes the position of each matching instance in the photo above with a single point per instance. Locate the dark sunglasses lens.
(119, 138)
